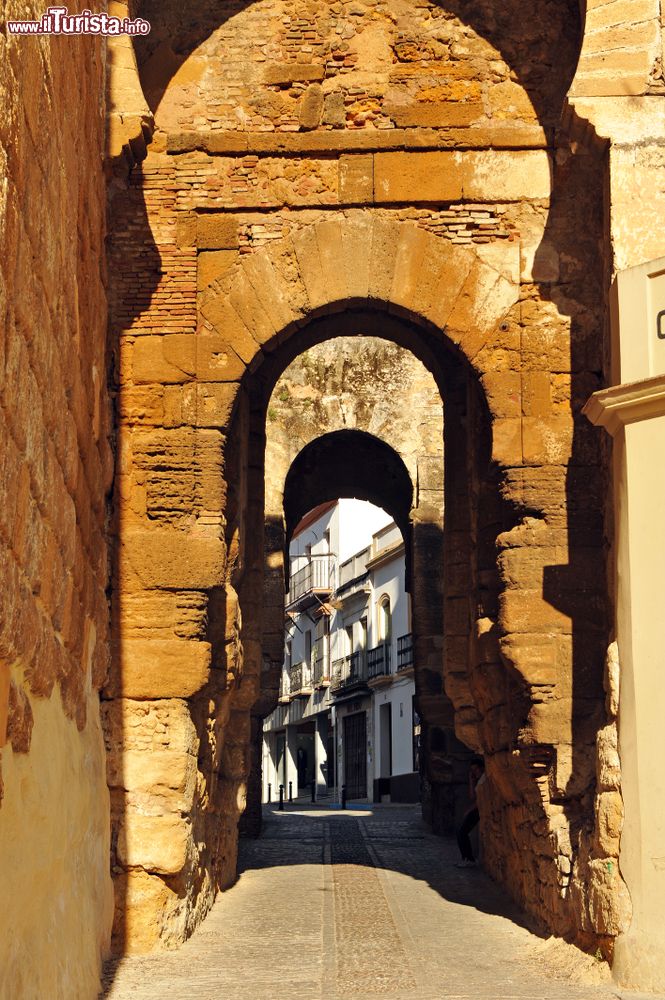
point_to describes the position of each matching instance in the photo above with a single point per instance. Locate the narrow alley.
(357, 905)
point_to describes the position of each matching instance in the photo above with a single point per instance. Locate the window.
(385, 620)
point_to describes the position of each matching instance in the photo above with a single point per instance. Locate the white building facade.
(346, 721)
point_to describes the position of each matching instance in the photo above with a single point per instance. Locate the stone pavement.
(360, 905)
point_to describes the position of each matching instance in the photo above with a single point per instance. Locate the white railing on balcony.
(353, 568)
(386, 538)
(317, 574)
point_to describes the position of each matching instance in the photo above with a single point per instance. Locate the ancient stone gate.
(457, 178)
(390, 172)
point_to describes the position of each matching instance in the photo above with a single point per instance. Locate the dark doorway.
(355, 755)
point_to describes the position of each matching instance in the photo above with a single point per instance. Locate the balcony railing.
(405, 652)
(353, 570)
(318, 574)
(349, 671)
(300, 680)
(320, 665)
(378, 661)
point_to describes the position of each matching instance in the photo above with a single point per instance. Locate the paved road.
(362, 905)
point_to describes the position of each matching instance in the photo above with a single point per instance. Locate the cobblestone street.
(359, 905)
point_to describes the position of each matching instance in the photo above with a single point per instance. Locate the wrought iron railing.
(317, 574)
(378, 660)
(349, 671)
(300, 678)
(405, 651)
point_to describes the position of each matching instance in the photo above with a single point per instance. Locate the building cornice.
(386, 555)
(626, 404)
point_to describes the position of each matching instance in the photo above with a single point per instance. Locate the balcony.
(353, 575)
(300, 680)
(349, 673)
(405, 653)
(284, 689)
(378, 662)
(311, 584)
(320, 664)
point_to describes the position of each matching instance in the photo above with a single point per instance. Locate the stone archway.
(375, 275)
(445, 240)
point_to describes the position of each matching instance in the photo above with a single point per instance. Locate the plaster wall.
(55, 843)
(400, 697)
(640, 488)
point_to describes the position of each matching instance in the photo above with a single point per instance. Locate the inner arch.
(357, 465)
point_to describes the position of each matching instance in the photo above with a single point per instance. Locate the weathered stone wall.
(55, 472)
(425, 199)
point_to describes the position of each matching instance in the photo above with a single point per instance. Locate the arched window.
(385, 619)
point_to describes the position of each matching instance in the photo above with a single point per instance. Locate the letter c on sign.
(660, 325)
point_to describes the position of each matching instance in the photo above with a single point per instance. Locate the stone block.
(216, 359)
(329, 240)
(446, 269)
(209, 404)
(534, 657)
(510, 102)
(610, 907)
(356, 249)
(217, 231)
(283, 302)
(526, 611)
(212, 264)
(139, 896)
(410, 254)
(500, 175)
(435, 114)
(547, 440)
(314, 278)
(186, 229)
(161, 774)
(334, 110)
(311, 107)
(507, 441)
(168, 359)
(155, 843)
(504, 394)
(160, 668)
(173, 559)
(356, 179)
(609, 823)
(218, 317)
(249, 306)
(285, 74)
(417, 177)
(385, 236)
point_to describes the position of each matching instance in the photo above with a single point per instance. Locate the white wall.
(358, 520)
(400, 696)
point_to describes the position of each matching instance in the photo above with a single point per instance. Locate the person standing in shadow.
(471, 816)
